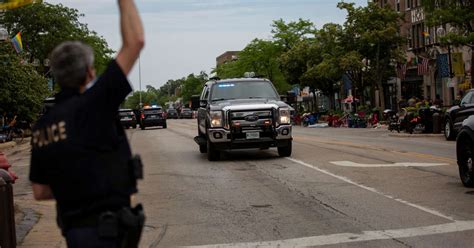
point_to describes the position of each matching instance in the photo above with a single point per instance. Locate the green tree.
(43, 26)
(373, 32)
(289, 34)
(193, 85)
(458, 14)
(260, 57)
(22, 89)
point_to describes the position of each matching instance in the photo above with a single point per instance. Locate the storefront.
(412, 85)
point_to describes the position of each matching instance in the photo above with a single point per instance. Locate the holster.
(126, 223)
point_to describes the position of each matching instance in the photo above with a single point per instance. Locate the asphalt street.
(340, 188)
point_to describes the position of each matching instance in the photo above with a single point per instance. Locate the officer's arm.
(133, 38)
(42, 192)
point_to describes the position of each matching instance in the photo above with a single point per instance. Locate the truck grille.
(241, 122)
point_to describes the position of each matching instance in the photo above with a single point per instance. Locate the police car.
(127, 118)
(152, 116)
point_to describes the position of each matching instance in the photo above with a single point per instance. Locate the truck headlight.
(285, 117)
(216, 118)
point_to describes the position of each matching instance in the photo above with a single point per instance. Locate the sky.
(186, 36)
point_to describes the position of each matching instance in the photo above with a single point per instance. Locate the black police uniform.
(80, 150)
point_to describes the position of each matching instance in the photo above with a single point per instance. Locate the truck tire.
(449, 132)
(212, 153)
(465, 161)
(285, 151)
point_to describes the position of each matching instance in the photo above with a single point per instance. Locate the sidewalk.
(35, 221)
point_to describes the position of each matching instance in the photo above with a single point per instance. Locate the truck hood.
(246, 104)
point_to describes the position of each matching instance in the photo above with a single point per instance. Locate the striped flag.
(423, 68)
(13, 4)
(17, 44)
(401, 71)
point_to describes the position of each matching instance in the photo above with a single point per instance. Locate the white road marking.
(353, 164)
(347, 180)
(340, 238)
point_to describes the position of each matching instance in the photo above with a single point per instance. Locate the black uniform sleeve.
(37, 168)
(110, 89)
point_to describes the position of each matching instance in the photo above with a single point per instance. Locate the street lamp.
(140, 79)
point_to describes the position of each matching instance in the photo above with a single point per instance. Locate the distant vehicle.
(152, 116)
(240, 114)
(172, 113)
(465, 152)
(127, 118)
(186, 113)
(457, 114)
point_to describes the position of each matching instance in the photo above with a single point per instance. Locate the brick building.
(423, 43)
(227, 57)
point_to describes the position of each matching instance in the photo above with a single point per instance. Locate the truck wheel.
(285, 151)
(466, 162)
(212, 153)
(449, 132)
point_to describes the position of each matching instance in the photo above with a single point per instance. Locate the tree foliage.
(373, 33)
(43, 26)
(22, 89)
(289, 34)
(457, 13)
(260, 57)
(172, 90)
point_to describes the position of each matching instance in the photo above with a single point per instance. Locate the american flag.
(401, 71)
(423, 68)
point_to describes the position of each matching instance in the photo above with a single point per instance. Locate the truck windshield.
(243, 90)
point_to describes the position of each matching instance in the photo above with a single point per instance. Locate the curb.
(30, 218)
(421, 135)
(7, 145)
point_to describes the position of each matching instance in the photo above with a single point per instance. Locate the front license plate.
(253, 135)
(126, 119)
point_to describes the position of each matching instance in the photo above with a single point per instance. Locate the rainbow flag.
(17, 44)
(13, 4)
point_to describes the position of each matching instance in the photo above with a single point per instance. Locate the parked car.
(465, 152)
(172, 113)
(186, 113)
(152, 116)
(240, 114)
(455, 116)
(127, 118)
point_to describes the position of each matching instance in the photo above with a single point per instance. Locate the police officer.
(80, 154)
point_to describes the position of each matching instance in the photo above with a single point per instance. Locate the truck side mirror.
(195, 102)
(203, 103)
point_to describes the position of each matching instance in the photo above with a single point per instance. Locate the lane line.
(340, 238)
(404, 164)
(347, 180)
(375, 148)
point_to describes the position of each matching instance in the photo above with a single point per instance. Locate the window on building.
(398, 6)
(408, 4)
(410, 38)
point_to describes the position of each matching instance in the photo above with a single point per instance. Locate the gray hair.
(70, 62)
